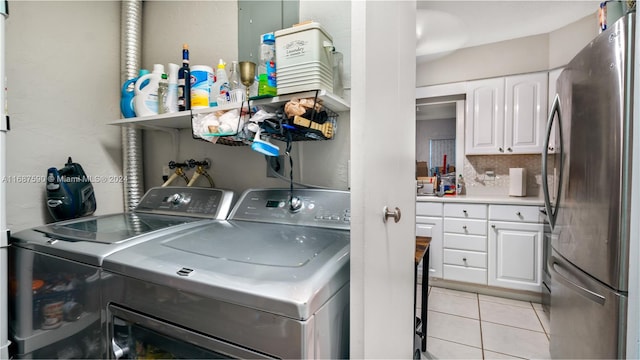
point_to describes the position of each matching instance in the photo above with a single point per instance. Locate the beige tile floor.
(463, 325)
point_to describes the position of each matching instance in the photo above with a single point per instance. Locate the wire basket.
(232, 138)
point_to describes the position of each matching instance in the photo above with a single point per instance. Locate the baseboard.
(485, 290)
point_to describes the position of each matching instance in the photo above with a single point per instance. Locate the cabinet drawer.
(466, 274)
(515, 213)
(465, 258)
(427, 230)
(466, 227)
(429, 208)
(467, 211)
(465, 242)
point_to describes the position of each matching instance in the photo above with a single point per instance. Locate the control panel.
(306, 207)
(187, 201)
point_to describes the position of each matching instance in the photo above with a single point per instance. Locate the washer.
(55, 269)
(270, 282)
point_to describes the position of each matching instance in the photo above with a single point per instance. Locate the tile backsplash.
(478, 183)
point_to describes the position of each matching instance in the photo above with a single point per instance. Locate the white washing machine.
(55, 269)
(270, 282)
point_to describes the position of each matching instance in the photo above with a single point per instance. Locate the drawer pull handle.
(518, 213)
(464, 259)
(464, 211)
(464, 227)
(493, 226)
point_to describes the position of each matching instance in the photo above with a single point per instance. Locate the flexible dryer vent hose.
(130, 55)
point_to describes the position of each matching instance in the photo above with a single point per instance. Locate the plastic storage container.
(304, 54)
(201, 83)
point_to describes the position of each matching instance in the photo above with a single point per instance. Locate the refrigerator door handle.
(556, 276)
(555, 109)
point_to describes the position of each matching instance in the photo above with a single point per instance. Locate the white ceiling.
(445, 26)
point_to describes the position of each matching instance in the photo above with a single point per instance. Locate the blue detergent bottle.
(126, 100)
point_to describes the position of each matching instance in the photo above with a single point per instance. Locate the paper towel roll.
(517, 182)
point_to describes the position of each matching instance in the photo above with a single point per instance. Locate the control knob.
(178, 199)
(296, 204)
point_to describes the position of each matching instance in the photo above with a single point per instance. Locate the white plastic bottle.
(146, 98)
(172, 94)
(220, 92)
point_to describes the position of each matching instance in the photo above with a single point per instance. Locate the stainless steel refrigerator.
(587, 187)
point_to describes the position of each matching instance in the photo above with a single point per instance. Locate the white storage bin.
(304, 58)
(302, 44)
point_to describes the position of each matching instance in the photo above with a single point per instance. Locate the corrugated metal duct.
(130, 55)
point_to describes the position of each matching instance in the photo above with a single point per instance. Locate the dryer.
(270, 282)
(55, 269)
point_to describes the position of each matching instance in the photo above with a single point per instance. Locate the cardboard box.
(421, 169)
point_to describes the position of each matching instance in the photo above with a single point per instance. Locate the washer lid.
(282, 269)
(257, 244)
(111, 229)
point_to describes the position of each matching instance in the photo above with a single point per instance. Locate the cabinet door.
(515, 255)
(484, 124)
(429, 226)
(526, 113)
(553, 78)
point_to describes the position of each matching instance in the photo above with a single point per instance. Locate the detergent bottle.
(145, 102)
(126, 100)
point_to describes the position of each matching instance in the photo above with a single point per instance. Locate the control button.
(281, 204)
(335, 217)
(311, 206)
(318, 217)
(347, 219)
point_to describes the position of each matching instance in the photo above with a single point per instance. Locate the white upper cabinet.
(506, 115)
(484, 123)
(526, 113)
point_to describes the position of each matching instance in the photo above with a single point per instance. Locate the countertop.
(484, 199)
(422, 244)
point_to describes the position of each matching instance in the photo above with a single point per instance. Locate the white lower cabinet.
(486, 244)
(429, 223)
(515, 250)
(465, 243)
(432, 227)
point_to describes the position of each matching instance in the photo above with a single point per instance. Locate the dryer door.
(137, 336)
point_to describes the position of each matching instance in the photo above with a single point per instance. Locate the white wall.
(62, 66)
(506, 57)
(528, 54)
(326, 163)
(427, 130)
(323, 163)
(566, 42)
